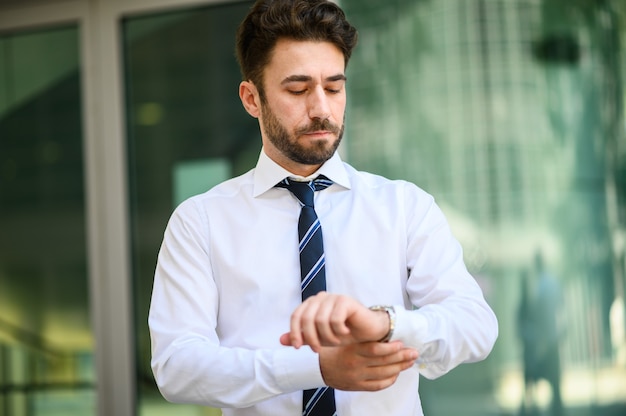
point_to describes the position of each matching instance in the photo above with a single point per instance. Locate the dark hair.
(271, 20)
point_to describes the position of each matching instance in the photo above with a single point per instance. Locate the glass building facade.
(509, 112)
(46, 339)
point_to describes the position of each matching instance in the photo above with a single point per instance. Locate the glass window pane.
(46, 340)
(511, 114)
(187, 131)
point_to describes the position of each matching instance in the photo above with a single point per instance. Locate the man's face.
(302, 112)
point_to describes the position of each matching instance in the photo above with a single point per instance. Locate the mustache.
(317, 125)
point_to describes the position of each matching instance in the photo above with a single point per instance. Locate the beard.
(316, 154)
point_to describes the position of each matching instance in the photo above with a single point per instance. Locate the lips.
(319, 127)
(318, 132)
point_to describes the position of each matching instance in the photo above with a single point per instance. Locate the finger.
(295, 327)
(339, 317)
(378, 384)
(377, 349)
(305, 320)
(406, 357)
(323, 321)
(383, 354)
(315, 321)
(387, 366)
(375, 378)
(285, 339)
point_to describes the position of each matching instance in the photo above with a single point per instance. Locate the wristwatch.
(392, 320)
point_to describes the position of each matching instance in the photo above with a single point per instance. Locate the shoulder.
(230, 188)
(222, 194)
(394, 197)
(362, 181)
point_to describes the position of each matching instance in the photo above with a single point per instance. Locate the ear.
(250, 99)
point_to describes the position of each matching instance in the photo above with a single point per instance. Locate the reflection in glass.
(187, 131)
(541, 331)
(46, 342)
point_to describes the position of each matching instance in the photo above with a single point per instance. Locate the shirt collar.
(268, 173)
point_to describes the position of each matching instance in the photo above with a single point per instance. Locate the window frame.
(106, 177)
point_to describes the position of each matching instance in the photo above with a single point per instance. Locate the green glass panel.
(46, 340)
(187, 131)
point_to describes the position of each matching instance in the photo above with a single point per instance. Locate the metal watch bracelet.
(392, 320)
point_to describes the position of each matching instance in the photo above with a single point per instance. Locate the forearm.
(195, 371)
(447, 334)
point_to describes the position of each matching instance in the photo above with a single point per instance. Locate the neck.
(299, 169)
(303, 170)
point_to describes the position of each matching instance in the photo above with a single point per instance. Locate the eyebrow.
(307, 78)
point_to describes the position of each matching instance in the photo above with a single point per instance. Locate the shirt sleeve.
(188, 362)
(449, 321)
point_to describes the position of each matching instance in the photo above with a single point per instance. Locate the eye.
(334, 88)
(297, 92)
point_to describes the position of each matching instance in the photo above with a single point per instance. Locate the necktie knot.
(305, 191)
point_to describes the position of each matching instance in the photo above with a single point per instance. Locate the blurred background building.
(510, 112)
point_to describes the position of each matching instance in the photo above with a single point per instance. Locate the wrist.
(391, 314)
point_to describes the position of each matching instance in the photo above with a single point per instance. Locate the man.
(231, 323)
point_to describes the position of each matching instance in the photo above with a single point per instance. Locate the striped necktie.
(320, 401)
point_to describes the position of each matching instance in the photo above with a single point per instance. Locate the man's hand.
(368, 366)
(331, 320)
(345, 333)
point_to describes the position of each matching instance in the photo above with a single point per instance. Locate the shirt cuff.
(410, 327)
(297, 369)
(412, 330)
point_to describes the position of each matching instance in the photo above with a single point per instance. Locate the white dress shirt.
(228, 279)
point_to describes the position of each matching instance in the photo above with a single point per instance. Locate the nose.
(318, 105)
